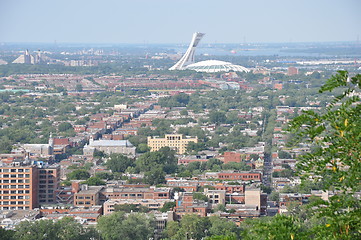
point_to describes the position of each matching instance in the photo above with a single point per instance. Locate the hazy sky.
(174, 21)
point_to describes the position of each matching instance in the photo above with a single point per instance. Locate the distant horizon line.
(183, 43)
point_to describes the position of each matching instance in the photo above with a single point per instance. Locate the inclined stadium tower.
(211, 66)
(188, 57)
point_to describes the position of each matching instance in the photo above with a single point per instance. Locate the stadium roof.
(212, 66)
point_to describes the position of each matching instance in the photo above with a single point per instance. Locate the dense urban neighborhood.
(97, 144)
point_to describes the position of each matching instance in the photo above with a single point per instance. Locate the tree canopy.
(118, 225)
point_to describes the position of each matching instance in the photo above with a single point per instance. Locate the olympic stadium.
(187, 62)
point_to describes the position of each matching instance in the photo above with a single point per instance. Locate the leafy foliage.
(78, 174)
(279, 227)
(128, 208)
(64, 229)
(118, 225)
(119, 163)
(335, 162)
(337, 135)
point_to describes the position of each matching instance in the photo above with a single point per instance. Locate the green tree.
(190, 227)
(104, 175)
(279, 227)
(184, 112)
(5, 145)
(64, 126)
(64, 229)
(6, 234)
(128, 208)
(335, 134)
(142, 148)
(79, 88)
(78, 174)
(217, 117)
(119, 163)
(167, 206)
(154, 176)
(135, 226)
(94, 181)
(200, 196)
(223, 227)
(284, 155)
(164, 158)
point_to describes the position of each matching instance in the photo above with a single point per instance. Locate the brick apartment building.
(18, 187)
(244, 176)
(49, 181)
(185, 204)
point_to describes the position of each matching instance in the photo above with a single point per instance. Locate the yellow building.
(173, 141)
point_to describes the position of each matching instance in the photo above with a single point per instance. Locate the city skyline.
(162, 21)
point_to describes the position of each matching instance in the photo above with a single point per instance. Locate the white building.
(109, 146)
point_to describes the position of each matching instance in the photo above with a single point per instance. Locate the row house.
(79, 128)
(244, 176)
(239, 188)
(151, 204)
(135, 193)
(87, 196)
(192, 158)
(126, 131)
(83, 215)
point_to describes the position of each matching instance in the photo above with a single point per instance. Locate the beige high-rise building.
(173, 141)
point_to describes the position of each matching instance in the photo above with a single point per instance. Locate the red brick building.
(232, 157)
(244, 176)
(185, 204)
